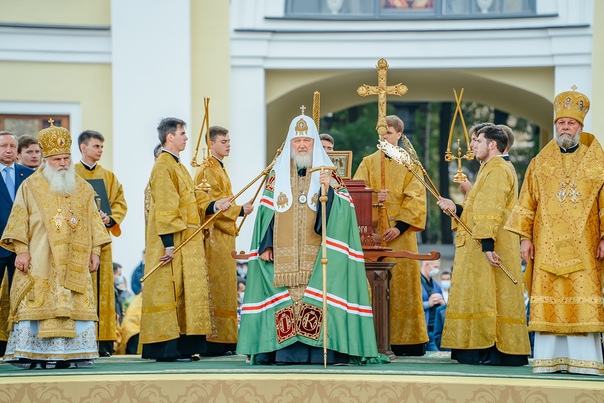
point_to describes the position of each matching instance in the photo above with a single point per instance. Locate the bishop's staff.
(217, 214)
(323, 200)
(402, 157)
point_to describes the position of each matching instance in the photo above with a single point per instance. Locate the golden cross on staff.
(381, 90)
(469, 155)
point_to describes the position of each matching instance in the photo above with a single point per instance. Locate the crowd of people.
(302, 297)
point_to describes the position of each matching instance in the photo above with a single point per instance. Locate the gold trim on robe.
(58, 284)
(106, 294)
(406, 202)
(219, 242)
(176, 295)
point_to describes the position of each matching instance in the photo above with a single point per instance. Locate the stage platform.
(432, 378)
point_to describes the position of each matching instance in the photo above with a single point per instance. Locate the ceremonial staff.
(469, 155)
(402, 157)
(262, 174)
(205, 124)
(265, 173)
(323, 200)
(381, 90)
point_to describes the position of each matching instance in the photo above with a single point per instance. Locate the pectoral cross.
(573, 193)
(381, 90)
(57, 219)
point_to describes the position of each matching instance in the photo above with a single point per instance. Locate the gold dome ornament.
(571, 104)
(54, 140)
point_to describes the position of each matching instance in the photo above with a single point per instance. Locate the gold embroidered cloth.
(58, 289)
(406, 202)
(484, 307)
(296, 243)
(175, 296)
(106, 296)
(219, 242)
(565, 278)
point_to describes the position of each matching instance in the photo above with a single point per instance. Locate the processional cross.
(382, 90)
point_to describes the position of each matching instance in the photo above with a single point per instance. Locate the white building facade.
(120, 66)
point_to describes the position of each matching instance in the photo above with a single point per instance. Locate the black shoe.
(66, 365)
(174, 359)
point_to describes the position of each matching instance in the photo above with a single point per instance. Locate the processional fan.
(205, 125)
(469, 155)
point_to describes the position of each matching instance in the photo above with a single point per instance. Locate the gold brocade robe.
(106, 296)
(219, 242)
(406, 202)
(58, 288)
(131, 324)
(565, 278)
(175, 296)
(4, 307)
(485, 307)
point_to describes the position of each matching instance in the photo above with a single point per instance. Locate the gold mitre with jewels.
(571, 104)
(54, 140)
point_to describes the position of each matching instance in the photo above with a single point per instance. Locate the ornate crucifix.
(381, 90)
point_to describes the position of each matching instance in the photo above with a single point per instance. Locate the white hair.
(61, 180)
(568, 142)
(302, 161)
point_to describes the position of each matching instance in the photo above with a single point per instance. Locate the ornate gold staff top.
(469, 155)
(401, 156)
(205, 124)
(381, 90)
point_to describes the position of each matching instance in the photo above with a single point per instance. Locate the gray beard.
(62, 182)
(302, 161)
(568, 142)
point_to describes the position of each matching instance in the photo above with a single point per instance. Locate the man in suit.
(12, 177)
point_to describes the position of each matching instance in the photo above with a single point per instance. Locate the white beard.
(61, 181)
(568, 142)
(302, 161)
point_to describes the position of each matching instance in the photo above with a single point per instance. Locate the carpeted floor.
(432, 364)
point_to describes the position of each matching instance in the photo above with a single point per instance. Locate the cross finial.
(302, 109)
(51, 121)
(381, 90)
(574, 87)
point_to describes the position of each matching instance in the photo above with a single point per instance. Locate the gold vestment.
(60, 233)
(106, 296)
(219, 242)
(406, 202)
(175, 296)
(485, 307)
(131, 324)
(560, 209)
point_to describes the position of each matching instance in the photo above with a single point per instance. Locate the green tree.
(354, 129)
